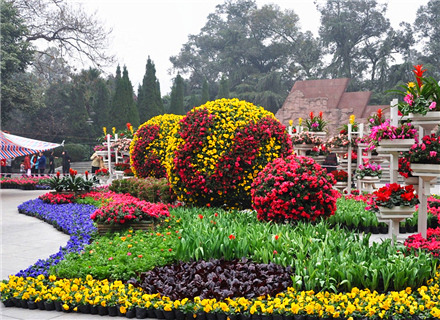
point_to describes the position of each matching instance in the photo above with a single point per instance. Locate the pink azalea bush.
(293, 188)
(386, 131)
(125, 208)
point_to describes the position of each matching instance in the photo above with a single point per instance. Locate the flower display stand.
(103, 228)
(411, 181)
(395, 215)
(102, 153)
(368, 183)
(341, 185)
(303, 148)
(319, 134)
(340, 150)
(319, 159)
(427, 173)
(428, 122)
(394, 148)
(119, 174)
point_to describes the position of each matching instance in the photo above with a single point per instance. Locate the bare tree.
(76, 34)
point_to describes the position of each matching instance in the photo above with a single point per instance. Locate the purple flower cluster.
(73, 219)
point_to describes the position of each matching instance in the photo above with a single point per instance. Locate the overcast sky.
(159, 28)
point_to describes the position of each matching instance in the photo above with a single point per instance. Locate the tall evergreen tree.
(101, 107)
(205, 92)
(177, 95)
(123, 105)
(223, 91)
(149, 102)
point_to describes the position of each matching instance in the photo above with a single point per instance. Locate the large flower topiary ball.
(219, 148)
(293, 188)
(148, 147)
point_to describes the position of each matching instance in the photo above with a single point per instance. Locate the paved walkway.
(25, 240)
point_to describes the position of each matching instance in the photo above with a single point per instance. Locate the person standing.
(41, 163)
(66, 162)
(9, 166)
(34, 164)
(95, 162)
(52, 163)
(27, 165)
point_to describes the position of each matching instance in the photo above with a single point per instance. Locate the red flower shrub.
(293, 188)
(340, 175)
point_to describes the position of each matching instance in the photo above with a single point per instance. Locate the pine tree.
(123, 105)
(150, 101)
(205, 92)
(223, 91)
(177, 95)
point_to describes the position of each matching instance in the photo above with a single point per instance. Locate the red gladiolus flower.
(276, 237)
(58, 174)
(419, 74)
(128, 125)
(87, 174)
(311, 115)
(320, 115)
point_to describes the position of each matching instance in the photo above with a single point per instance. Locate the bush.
(149, 189)
(77, 152)
(294, 188)
(148, 147)
(218, 149)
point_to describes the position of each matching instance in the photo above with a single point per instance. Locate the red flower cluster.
(124, 208)
(430, 244)
(294, 188)
(340, 175)
(395, 195)
(57, 198)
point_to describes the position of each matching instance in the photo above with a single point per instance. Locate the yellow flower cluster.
(204, 148)
(357, 303)
(145, 146)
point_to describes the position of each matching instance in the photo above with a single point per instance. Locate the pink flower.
(432, 154)
(408, 99)
(110, 259)
(128, 253)
(433, 105)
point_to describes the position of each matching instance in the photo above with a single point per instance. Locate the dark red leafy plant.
(217, 279)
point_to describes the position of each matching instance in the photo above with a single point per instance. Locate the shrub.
(294, 188)
(218, 149)
(149, 189)
(77, 152)
(148, 147)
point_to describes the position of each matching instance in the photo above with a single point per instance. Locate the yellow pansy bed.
(357, 304)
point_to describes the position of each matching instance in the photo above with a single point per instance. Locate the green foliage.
(149, 101)
(123, 104)
(120, 256)
(77, 152)
(16, 55)
(177, 95)
(313, 251)
(149, 189)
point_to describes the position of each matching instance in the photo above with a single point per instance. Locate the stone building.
(328, 96)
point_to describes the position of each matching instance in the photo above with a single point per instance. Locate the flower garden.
(240, 227)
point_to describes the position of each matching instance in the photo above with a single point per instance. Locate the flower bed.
(25, 183)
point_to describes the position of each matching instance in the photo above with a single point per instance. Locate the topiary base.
(140, 225)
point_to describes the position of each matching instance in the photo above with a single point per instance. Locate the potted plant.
(341, 178)
(387, 135)
(421, 96)
(369, 170)
(102, 174)
(425, 156)
(315, 123)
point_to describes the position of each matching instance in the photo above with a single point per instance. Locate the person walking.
(66, 162)
(34, 164)
(95, 162)
(9, 166)
(41, 163)
(51, 163)
(27, 165)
